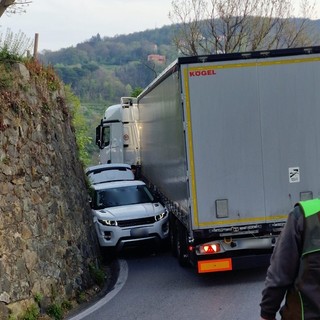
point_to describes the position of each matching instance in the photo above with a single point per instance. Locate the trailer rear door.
(250, 125)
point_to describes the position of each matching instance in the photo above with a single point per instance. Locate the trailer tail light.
(210, 248)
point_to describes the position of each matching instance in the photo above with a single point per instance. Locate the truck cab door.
(109, 140)
(116, 142)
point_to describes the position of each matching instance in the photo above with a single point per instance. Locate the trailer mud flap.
(215, 265)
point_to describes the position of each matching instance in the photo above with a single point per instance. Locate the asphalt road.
(152, 286)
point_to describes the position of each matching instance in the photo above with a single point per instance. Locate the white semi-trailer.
(231, 142)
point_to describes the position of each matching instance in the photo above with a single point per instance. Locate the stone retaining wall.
(46, 233)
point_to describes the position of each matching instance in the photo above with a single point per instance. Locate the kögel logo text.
(201, 73)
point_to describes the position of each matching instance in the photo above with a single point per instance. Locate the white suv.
(109, 172)
(126, 213)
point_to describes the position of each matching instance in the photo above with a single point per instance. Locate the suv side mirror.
(89, 199)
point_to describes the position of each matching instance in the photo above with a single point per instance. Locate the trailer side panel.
(163, 142)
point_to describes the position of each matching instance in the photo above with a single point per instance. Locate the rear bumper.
(233, 263)
(234, 253)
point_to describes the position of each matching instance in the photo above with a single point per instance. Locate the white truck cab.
(118, 134)
(125, 213)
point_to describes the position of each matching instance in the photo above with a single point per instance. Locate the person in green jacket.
(294, 271)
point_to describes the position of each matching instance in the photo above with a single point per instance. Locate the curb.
(120, 281)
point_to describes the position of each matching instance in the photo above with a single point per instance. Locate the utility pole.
(35, 47)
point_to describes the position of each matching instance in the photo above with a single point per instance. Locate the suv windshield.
(123, 196)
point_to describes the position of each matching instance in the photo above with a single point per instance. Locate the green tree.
(80, 125)
(136, 91)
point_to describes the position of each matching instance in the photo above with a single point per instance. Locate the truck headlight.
(160, 216)
(111, 223)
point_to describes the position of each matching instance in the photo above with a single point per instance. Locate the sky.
(65, 23)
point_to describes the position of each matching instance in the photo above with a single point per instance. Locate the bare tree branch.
(215, 26)
(13, 6)
(4, 5)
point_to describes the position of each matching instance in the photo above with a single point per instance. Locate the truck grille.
(135, 222)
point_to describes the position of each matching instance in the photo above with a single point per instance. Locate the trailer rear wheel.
(182, 246)
(173, 235)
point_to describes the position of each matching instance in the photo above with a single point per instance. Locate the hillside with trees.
(101, 70)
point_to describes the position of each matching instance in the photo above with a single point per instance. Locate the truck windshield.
(123, 196)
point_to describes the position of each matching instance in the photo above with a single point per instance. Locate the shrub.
(97, 275)
(55, 311)
(32, 313)
(14, 46)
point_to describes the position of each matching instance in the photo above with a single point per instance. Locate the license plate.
(139, 232)
(215, 265)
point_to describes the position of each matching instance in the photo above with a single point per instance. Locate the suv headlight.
(112, 223)
(161, 216)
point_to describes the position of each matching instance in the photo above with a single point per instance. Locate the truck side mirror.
(99, 137)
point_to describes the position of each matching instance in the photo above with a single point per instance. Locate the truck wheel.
(182, 246)
(173, 236)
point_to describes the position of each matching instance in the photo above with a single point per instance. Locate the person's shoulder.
(297, 218)
(297, 212)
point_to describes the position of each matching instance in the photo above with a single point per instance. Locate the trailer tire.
(182, 246)
(173, 235)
